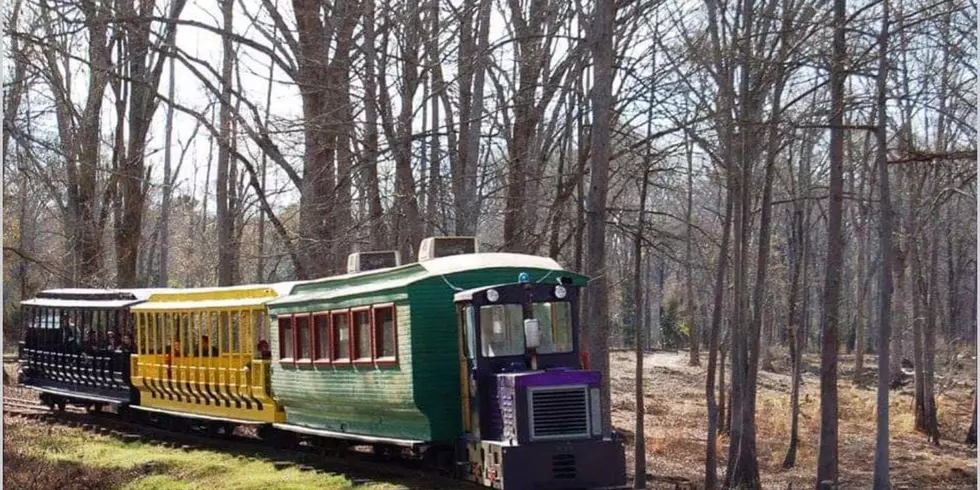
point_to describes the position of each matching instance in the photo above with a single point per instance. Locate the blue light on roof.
(523, 278)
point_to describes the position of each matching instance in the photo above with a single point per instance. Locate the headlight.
(560, 292)
(492, 295)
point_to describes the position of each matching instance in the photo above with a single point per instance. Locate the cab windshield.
(502, 328)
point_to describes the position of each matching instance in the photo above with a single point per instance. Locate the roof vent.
(445, 246)
(366, 261)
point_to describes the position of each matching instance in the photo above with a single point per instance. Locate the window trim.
(330, 356)
(361, 361)
(322, 358)
(283, 360)
(334, 359)
(297, 347)
(384, 360)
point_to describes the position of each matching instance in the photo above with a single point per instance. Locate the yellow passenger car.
(205, 352)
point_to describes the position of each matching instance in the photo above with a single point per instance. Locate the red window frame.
(354, 336)
(289, 319)
(375, 331)
(297, 345)
(334, 354)
(318, 356)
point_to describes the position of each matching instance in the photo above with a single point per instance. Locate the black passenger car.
(77, 344)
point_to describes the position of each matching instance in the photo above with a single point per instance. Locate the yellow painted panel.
(221, 386)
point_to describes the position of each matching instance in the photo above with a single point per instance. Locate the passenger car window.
(362, 335)
(384, 332)
(341, 337)
(322, 337)
(286, 350)
(305, 347)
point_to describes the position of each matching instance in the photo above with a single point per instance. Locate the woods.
(750, 181)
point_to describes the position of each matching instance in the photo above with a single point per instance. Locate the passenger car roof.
(241, 296)
(89, 297)
(397, 277)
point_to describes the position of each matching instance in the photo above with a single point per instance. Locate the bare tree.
(971, 433)
(695, 355)
(882, 480)
(144, 71)
(597, 331)
(168, 178)
(227, 260)
(714, 340)
(640, 456)
(827, 457)
(794, 316)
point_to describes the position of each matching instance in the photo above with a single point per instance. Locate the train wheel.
(60, 404)
(94, 408)
(47, 401)
(439, 458)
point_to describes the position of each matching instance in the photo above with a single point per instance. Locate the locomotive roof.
(401, 276)
(240, 296)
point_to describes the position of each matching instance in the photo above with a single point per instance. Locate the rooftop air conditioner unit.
(445, 246)
(366, 261)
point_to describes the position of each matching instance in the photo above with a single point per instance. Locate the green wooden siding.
(362, 399)
(419, 398)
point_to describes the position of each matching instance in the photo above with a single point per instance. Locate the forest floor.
(676, 423)
(41, 456)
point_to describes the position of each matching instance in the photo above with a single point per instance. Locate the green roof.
(361, 283)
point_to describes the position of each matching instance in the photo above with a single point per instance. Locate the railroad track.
(16, 406)
(359, 466)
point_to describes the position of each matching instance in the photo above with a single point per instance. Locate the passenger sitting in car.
(207, 350)
(265, 352)
(126, 344)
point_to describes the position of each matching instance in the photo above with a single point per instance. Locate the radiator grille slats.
(558, 413)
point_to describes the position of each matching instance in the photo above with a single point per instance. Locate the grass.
(70, 458)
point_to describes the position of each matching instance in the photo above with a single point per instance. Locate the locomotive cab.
(531, 414)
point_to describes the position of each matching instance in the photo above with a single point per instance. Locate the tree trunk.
(473, 61)
(80, 142)
(797, 246)
(900, 322)
(971, 433)
(882, 480)
(370, 165)
(716, 410)
(640, 470)
(597, 333)
(162, 276)
(827, 475)
(929, 341)
(260, 241)
(917, 317)
(145, 71)
(695, 355)
(321, 81)
(224, 218)
(768, 328)
(863, 292)
(407, 229)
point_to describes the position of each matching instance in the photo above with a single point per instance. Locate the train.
(470, 359)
